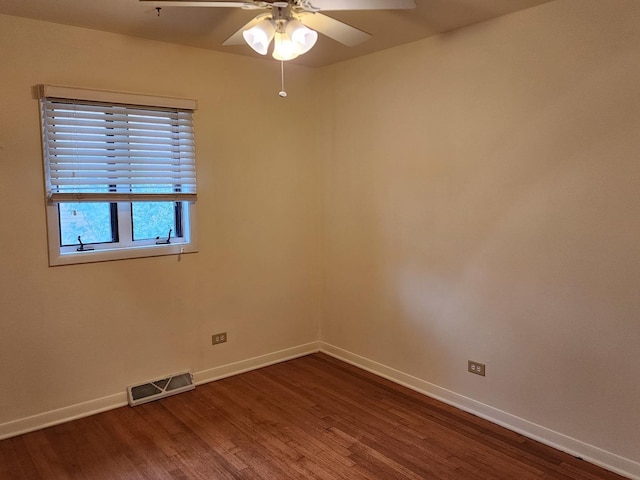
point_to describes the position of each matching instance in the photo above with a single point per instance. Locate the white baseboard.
(590, 453)
(62, 415)
(243, 366)
(91, 407)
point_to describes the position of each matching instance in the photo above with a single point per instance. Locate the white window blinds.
(108, 150)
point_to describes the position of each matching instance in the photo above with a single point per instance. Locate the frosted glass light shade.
(303, 38)
(259, 36)
(284, 49)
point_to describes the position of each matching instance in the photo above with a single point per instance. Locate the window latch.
(82, 247)
(164, 242)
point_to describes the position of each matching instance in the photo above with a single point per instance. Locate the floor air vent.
(147, 392)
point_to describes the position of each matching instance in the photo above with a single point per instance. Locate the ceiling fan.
(294, 24)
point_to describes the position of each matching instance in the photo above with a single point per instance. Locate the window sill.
(93, 256)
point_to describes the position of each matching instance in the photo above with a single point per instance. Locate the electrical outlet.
(218, 338)
(476, 367)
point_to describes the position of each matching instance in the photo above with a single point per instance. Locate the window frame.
(59, 255)
(126, 247)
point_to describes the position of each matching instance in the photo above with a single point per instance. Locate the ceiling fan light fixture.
(284, 48)
(259, 36)
(303, 37)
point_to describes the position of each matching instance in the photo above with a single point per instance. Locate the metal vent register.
(147, 392)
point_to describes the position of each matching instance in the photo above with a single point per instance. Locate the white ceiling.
(209, 27)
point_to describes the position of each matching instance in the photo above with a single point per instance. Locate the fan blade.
(178, 3)
(237, 38)
(335, 29)
(335, 5)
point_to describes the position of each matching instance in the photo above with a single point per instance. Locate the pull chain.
(282, 92)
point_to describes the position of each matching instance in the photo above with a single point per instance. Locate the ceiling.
(209, 27)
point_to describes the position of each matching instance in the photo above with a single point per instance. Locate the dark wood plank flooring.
(310, 418)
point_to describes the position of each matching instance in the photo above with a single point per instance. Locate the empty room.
(382, 239)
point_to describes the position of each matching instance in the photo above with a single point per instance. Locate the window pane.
(153, 220)
(90, 221)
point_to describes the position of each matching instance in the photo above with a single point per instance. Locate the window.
(120, 175)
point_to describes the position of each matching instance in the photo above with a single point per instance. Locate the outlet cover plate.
(476, 367)
(218, 338)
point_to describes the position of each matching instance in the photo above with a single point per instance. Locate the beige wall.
(473, 196)
(77, 333)
(482, 202)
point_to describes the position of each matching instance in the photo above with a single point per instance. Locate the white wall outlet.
(476, 367)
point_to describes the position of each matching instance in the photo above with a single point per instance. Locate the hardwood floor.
(310, 418)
